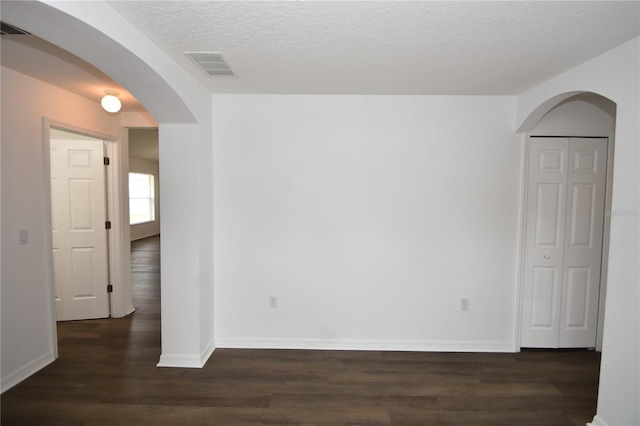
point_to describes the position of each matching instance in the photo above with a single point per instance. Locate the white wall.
(614, 75)
(369, 217)
(28, 329)
(149, 167)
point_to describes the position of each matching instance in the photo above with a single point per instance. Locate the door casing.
(117, 204)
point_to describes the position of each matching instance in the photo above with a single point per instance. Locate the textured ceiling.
(385, 47)
(355, 47)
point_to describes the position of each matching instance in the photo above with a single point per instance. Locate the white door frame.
(605, 234)
(118, 236)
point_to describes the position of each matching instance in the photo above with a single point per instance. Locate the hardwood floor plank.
(106, 375)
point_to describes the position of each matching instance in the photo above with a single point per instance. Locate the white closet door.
(583, 242)
(544, 241)
(563, 241)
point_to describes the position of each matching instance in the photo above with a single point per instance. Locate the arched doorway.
(565, 251)
(182, 107)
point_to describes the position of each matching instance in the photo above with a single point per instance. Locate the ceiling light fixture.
(110, 101)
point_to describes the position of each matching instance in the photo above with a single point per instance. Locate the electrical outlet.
(273, 302)
(464, 304)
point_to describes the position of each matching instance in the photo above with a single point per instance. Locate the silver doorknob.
(546, 256)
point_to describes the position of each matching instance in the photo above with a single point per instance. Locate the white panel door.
(563, 241)
(78, 229)
(544, 241)
(583, 241)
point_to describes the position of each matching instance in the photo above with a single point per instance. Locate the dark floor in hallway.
(106, 375)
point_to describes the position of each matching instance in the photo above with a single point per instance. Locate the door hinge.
(106, 161)
(109, 288)
(107, 225)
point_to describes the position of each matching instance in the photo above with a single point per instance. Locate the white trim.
(48, 236)
(119, 234)
(606, 232)
(79, 130)
(27, 370)
(179, 361)
(521, 239)
(597, 421)
(571, 133)
(207, 352)
(368, 345)
(187, 360)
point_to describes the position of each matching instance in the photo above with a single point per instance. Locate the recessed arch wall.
(541, 110)
(580, 111)
(584, 114)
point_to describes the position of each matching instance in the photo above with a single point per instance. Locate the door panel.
(578, 296)
(544, 234)
(80, 196)
(545, 285)
(582, 208)
(548, 219)
(583, 250)
(82, 266)
(79, 237)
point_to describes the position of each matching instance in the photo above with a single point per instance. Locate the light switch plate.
(23, 236)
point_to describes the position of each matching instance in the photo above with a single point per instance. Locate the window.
(141, 198)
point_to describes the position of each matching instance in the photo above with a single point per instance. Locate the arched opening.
(145, 72)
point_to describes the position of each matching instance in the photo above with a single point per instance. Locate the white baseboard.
(597, 421)
(179, 361)
(207, 352)
(367, 345)
(25, 371)
(187, 360)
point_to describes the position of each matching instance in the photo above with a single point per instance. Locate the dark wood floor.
(106, 375)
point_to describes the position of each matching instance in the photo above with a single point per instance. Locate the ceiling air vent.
(6, 29)
(212, 63)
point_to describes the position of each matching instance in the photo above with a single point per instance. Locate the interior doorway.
(144, 192)
(110, 207)
(565, 249)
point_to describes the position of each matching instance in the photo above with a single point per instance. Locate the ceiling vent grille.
(212, 63)
(6, 29)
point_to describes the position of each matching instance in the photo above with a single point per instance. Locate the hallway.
(106, 375)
